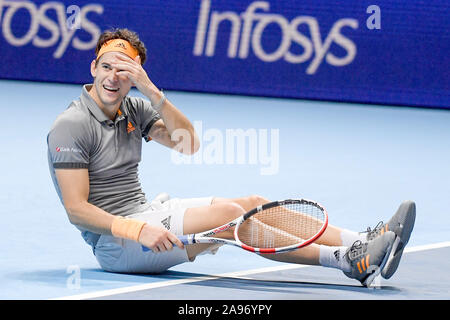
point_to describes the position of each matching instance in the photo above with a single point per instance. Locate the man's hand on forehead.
(121, 62)
(123, 57)
(133, 69)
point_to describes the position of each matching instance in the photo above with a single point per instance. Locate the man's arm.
(173, 130)
(182, 140)
(74, 185)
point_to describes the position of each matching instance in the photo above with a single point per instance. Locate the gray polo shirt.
(84, 137)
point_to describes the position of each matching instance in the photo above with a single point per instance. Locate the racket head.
(281, 226)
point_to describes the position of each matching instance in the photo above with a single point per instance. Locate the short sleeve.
(68, 145)
(148, 116)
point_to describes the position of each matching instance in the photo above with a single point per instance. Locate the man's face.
(110, 88)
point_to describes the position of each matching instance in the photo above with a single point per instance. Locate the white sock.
(333, 257)
(349, 237)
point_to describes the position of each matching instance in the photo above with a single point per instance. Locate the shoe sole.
(409, 216)
(377, 269)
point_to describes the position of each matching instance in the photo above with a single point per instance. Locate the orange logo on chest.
(130, 127)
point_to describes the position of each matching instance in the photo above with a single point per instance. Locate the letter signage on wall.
(387, 52)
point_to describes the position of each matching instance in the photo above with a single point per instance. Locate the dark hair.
(124, 34)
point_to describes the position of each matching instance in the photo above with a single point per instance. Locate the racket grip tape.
(183, 239)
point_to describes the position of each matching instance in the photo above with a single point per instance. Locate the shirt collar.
(98, 114)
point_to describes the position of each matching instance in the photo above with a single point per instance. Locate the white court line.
(147, 286)
(428, 247)
(168, 283)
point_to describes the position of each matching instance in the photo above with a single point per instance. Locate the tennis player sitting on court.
(94, 148)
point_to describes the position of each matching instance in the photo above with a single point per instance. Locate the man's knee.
(256, 200)
(231, 210)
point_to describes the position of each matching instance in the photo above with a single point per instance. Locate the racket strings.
(269, 236)
(282, 226)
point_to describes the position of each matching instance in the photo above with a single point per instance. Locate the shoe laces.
(357, 249)
(372, 234)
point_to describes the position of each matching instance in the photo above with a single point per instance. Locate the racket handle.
(183, 239)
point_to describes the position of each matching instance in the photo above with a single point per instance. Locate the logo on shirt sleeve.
(65, 149)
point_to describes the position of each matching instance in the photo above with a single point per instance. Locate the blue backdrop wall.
(385, 52)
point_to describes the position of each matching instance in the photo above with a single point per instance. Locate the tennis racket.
(274, 227)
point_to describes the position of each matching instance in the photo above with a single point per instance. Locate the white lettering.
(254, 24)
(236, 141)
(334, 35)
(301, 39)
(216, 19)
(344, 42)
(73, 21)
(198, 310)
(64, 28)
(201, 27)
(374, 21)
(285, 41)
(6, 26)
(272, 159)
(89, 27)
(74, 280)
(248, 16)
(214, 147)
(48, 24)
(236, 146)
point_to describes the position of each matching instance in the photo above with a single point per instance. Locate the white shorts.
(127, 256)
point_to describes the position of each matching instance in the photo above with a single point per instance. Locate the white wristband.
(158, 106)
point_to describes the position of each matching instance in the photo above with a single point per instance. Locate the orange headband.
(118, 45)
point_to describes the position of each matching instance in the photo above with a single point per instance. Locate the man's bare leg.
(222, 211)
(327, 252)
(331, 236)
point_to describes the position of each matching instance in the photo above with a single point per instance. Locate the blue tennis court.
(346, 104)
(360, 161)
